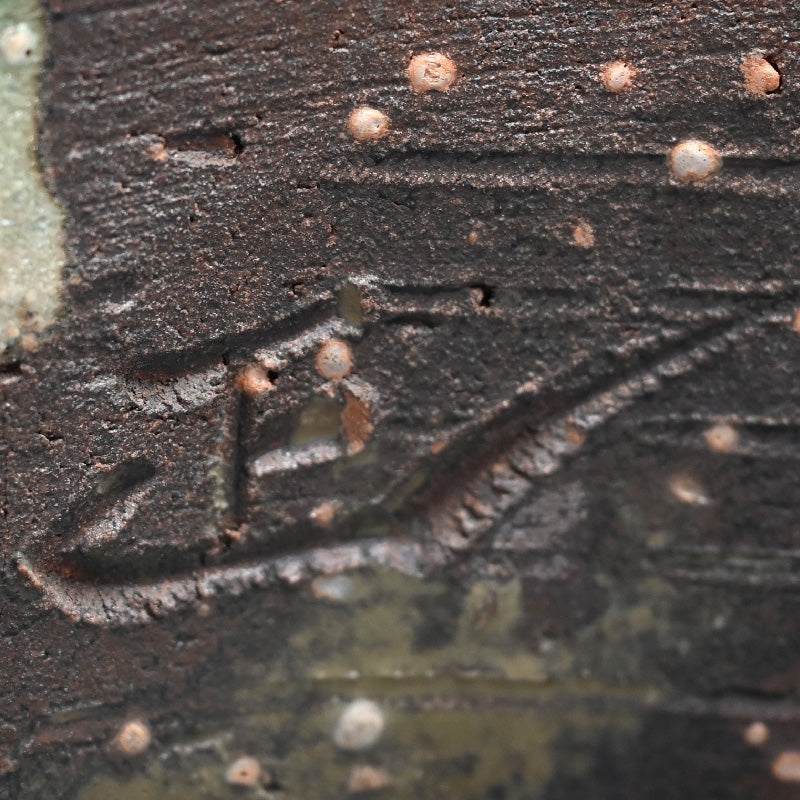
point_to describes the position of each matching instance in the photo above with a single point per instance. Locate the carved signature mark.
(524, 440)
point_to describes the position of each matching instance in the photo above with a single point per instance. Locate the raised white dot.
(18, 43)
(693, 160)
(360, 726)
(335, 359)
(431, 72)
(618, 77)
(368, 124)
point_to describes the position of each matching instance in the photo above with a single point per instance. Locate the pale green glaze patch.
(31, 252)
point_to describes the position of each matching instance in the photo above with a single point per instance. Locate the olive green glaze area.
(451, 742)
(471, 711)
(31, 254)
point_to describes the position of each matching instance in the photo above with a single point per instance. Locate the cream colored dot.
(688, 490)
(722, 438)
(756, 734)
(619, 76)
(786, 767)
(431, 72)
(368, 124)
(760, 77)
(18, 43)
(335, 360)
(693, 160)
(245, 771)
(360, 726)
(254, 380)
(583, 235)
(133, 738)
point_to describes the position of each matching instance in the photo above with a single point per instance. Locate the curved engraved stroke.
(465, 517)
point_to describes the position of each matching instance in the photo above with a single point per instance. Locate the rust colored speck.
(760, 77)
(356, 422)
(324, 514)
(583, 235)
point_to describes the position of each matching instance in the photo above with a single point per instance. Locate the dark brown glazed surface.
(544, 325)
